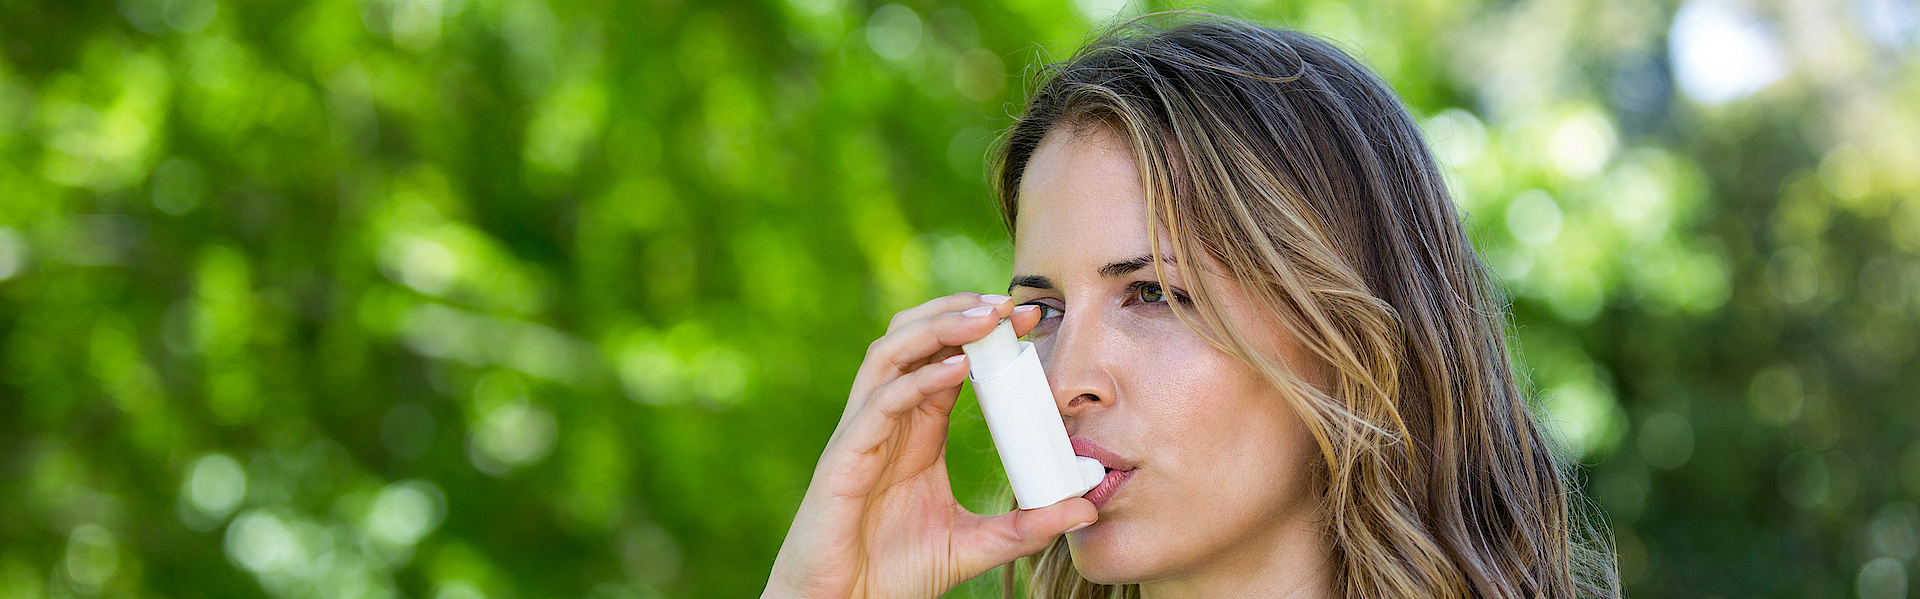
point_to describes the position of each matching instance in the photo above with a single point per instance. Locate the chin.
(1109, 553)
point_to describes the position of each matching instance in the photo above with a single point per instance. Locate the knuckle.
(927, 386)
(885, 402)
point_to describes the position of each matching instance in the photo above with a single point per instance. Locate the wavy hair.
(1301, 174)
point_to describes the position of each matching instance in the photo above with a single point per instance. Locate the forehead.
(1080, 201)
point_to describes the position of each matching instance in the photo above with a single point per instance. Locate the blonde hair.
(1299, 172)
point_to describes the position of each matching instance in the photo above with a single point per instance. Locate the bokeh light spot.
(1776, 395)
(1793, 275)
(215, 485)
(1895, 531)
(720, 378)
(13, 253)
(894, 31)
(1722, 51)
(510, 436)
(650, 374)
(260, 541)
(1882, 578)
(178, 186)
(1666, 440)
(189, 16)
(1581, 144)
(406, 511)
(93, 555)
(1533, 217)
(1804, 479)
(1847, 173)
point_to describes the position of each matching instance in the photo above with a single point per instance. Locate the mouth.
(1108, 487)
(1119, 470)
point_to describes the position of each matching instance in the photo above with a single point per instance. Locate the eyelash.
(1133, 293)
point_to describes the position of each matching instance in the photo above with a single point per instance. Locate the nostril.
(1082, 398)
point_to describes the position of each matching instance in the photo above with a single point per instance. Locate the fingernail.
(978, 312)
(954, 359)
(994, 298)
(1082, 525)
(1025, 308)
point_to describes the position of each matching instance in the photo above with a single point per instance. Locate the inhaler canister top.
(991, 354)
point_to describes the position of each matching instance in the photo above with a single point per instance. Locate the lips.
(1108, 487)
(1119, 470)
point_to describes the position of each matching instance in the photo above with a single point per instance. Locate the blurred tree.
(508, 298)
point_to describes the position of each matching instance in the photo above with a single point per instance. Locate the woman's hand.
(879, 518)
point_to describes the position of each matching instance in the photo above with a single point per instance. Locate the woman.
(1257, 306)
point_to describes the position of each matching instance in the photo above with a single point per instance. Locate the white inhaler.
(1027, 430)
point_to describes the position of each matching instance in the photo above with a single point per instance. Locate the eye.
(1150, 293)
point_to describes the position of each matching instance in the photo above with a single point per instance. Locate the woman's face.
(1214, 474)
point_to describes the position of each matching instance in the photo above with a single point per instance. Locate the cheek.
(1224, 441)
(1226, 464)
(1212, 414)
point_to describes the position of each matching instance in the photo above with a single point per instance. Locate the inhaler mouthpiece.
(1027, 431)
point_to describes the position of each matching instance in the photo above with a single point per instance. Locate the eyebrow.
(1111, 270)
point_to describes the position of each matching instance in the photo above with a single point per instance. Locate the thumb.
(1000, 539)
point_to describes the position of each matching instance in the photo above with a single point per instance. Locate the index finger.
(1025, 317)
(904, 349)
(941, 305)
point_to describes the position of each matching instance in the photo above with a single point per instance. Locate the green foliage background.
(509, 298)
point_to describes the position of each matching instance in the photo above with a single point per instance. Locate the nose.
(1079, 369)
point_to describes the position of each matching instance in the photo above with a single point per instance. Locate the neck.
(1296, 564)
